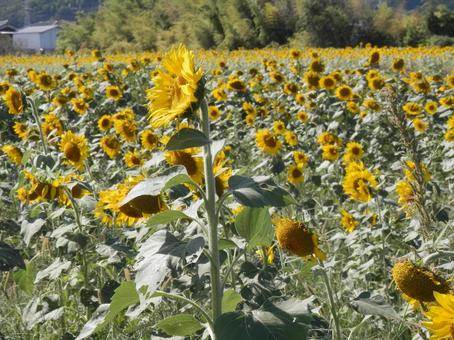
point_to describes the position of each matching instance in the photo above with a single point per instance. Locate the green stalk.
(332, 304)
(36, 117)
(210, 206)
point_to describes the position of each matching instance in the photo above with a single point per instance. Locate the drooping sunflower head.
(417, 282)
(187, 158)
(176, 87)
(295, 238)
(21, 130)
(312, 79)
(398, 65)
(13, 100)
(74, 148)
(79, 105)
(348, 221)
(13, 153)
(267, 142)
(126, 129)
(374, 57)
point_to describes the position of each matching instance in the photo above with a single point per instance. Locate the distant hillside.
(45, 10)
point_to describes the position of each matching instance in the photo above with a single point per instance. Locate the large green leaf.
(258, 192)
(9, 258)
(24, 278)
(187, 138)
(166, 217)
(287, 320)
(180, 325)
(254, 224)
(230, 300)
(125, 296)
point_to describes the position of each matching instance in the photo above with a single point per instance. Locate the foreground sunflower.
(417, 282)
(175, 87)
(75, 148)
(295, 238)
(441, 316)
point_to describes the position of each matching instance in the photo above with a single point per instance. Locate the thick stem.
(332, 304)
(210, 206)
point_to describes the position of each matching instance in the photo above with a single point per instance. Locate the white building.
(36, 38)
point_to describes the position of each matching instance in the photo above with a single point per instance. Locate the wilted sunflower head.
(417, 282)
(187, 158)
(176, 87)
(295, 238)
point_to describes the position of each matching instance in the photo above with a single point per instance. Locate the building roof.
(36, 29)
(5, 27)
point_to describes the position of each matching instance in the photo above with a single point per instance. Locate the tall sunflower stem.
(332, 304)
(36, 118)
(210, 206)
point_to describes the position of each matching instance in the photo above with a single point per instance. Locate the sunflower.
(302, 116)
(417, 282)
(371, 104)
(344, 92)
(421, 86)
(176, 87)
(110, 145)
(45, 81)
(79, 105)
(294, 53)
(60, 100)
(353, 152)
(105, 123)
(4, 86)
(149, 140)
(295, 174)
(126, 129)
(291, 138)
(267, 142)
(13, 153)
(299, 98)
(279, 127)
(74, 148)
(412, 109)
(353, 107)
(358, 183)
(51, 124)
(248, 108)
(276, 77)
(376, 83)
(406, 196)
(300, 158)
(114, 92)
(441, 316)
(398, 65)
(222, 176)
(295, 238)
(13, 100)
(21, 130)
(330, 152)
(187, 158)
(450, 122)
(236, 84)
(431, 107)
(348, 221)
(449, 135)
(312, 79)
(133, 159)
(250, 119)
(328, 138)
(328, 82)
(219, 94)
(374, 58)
(213, 112)
(447, 101)
(420, 125)
(290, 88)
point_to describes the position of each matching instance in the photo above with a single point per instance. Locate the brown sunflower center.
(296, 173)
(186, 159)
(270, 141)
(72, 151)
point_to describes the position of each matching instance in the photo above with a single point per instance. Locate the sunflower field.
(253, 194)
